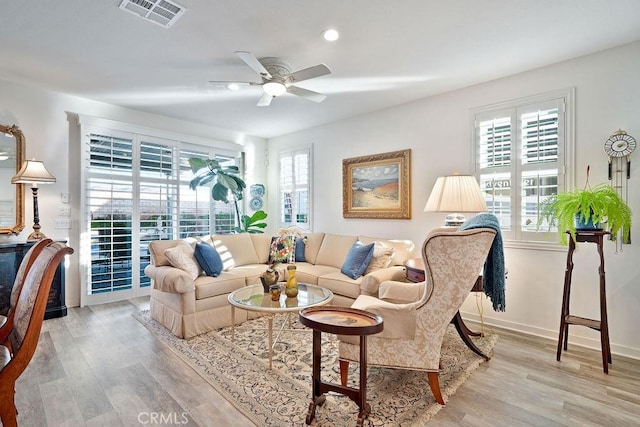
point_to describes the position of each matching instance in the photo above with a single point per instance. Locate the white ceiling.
(390, 51)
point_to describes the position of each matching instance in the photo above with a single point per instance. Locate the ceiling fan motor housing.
(278, 69)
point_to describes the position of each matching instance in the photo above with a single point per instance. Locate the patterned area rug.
(240, 371)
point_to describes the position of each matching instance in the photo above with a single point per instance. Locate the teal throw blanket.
(493, 276)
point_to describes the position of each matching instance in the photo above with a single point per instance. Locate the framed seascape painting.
(377, 186)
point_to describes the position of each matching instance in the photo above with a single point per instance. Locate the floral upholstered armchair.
(413, 332)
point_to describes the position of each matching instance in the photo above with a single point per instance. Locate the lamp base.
(454, 220)
(36, 235)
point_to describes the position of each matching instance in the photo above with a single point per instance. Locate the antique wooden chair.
(413, 332)
(27, 323)
(6, 322)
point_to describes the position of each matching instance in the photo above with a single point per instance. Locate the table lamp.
(456, 194)
(33, 172)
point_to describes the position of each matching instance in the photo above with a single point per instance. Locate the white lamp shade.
(456, 193)
(33, 172)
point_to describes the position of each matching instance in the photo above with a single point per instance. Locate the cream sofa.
(188, 306)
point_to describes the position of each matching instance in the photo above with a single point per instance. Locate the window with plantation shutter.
(109, 187)
(295, 187)
(157, 197)
(195, 205)
(136, 190)
(522, 156)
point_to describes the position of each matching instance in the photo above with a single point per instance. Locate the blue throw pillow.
(299, 257)
(357, 260)
(209, 259)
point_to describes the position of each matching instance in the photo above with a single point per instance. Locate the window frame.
(291, 152)
(139, 135)
(566, 158)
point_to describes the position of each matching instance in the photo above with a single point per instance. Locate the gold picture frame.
(377, 186)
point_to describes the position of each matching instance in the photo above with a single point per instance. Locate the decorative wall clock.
(619, 147)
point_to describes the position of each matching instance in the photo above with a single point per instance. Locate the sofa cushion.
(312, 246)
(208, 259)
(225, 283)
(382, 257)
(252, 272)
(334, 250)
(262, 246)
(235, 249)
(309, 273)
(182, 256)
(283, 249)
(357, 259)
(340, 284)
(403, 249)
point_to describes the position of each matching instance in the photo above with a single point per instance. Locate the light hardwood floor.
(98, 366)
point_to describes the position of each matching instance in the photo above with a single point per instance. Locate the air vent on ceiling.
(161, 12)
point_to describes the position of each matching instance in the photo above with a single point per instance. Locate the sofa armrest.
(371, 282)
(170, 279)
(401, 292)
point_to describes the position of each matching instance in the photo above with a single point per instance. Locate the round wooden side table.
(340, 321)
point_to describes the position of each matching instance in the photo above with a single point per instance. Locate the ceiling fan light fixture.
(330, 34)
(274, 88)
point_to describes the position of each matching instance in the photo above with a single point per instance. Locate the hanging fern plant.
(598, 205)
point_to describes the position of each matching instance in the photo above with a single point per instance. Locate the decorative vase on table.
(269, 277)
(291, 289)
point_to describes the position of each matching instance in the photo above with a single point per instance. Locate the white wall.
(437, 130)
(50, 137)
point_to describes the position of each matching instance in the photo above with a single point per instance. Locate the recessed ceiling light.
(330, 35)
(233, 86)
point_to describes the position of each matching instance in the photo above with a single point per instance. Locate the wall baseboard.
(594, 344)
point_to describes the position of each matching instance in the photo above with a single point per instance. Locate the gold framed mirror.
(11, 198)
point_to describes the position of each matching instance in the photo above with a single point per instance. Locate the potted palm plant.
(226, 180)
(586, 208)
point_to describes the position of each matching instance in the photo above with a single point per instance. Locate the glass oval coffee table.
(253, 298)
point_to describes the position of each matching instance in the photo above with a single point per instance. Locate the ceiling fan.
(277, 78)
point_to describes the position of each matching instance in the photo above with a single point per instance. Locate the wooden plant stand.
(567, 319)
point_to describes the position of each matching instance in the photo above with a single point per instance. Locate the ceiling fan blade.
(306, 93)
(309, 73)
(253, 62)
(265, 100)
(228, 82)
